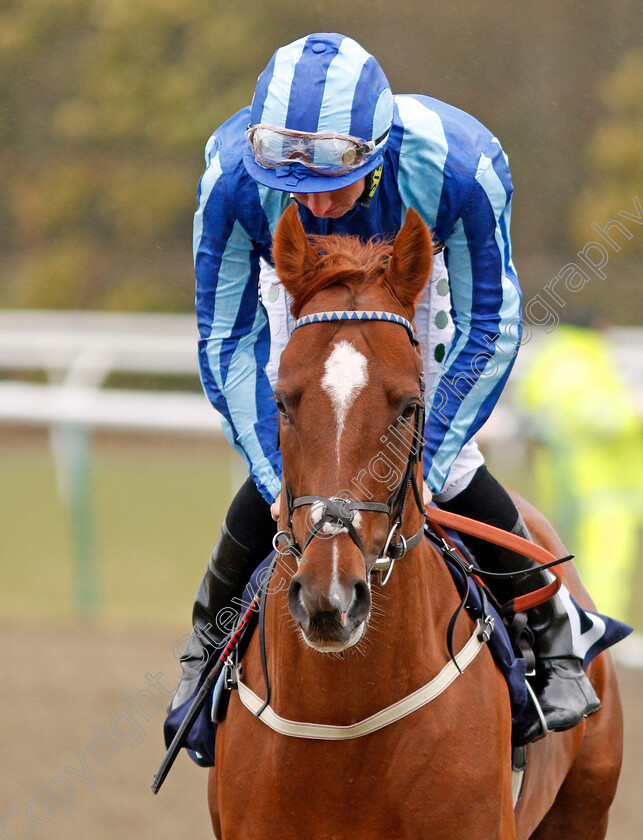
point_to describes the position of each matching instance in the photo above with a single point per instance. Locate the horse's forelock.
(343, 261)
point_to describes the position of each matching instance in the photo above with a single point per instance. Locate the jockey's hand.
(274, 507)
(427, 494)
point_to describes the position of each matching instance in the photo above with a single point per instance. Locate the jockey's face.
(333, 204)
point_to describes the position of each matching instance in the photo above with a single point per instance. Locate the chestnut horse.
(340, 647)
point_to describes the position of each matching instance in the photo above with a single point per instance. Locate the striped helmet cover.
(324, 83)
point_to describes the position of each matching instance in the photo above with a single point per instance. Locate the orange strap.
(497, 536)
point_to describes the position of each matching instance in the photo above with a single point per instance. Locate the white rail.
(57, 341)
(115, 409)
(78, 350)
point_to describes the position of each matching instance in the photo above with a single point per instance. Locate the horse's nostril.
(361, 603)
(295, 602)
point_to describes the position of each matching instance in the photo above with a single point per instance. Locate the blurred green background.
(156, 509)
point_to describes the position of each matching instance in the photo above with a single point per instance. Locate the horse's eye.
(281, 408)
(409, 411)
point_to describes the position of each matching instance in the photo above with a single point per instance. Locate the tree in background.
(106, 105)
(106, 109)
(615, 155)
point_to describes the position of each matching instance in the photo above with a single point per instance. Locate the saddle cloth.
(591, 634)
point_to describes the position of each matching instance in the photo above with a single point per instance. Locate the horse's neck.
(403, 647)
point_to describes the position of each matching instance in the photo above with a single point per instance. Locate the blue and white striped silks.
(440, 161)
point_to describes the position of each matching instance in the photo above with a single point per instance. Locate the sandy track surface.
(80, 727)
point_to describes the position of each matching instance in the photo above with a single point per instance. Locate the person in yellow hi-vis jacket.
(588, 458)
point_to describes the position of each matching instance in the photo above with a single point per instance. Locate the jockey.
(325, 131)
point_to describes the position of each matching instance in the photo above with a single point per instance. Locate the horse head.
(348, 394)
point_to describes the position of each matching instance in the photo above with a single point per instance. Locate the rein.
(437, 518)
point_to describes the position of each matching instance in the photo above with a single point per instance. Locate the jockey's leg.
(245, 540)
(563, 690)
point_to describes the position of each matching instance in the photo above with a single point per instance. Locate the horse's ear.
(292, 252)
(411, 260)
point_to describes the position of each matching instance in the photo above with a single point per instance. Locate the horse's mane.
(343, 261)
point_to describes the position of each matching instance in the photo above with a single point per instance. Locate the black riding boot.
(224, 579)
(227, 574)
(562, 688)
(560, 684)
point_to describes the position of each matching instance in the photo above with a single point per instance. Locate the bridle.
(338, 512)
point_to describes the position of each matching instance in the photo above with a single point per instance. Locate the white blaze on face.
(345, 376)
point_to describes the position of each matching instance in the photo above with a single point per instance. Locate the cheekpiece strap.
(358, 315)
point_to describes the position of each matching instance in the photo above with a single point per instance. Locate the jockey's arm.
(485, 299)
(234, 336)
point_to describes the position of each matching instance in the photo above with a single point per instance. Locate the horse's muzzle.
(330, 621)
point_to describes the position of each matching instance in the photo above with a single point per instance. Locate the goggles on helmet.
(329, 154)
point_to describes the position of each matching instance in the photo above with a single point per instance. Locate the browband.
(358, 315)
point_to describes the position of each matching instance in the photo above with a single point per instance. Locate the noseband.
(339, 513)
